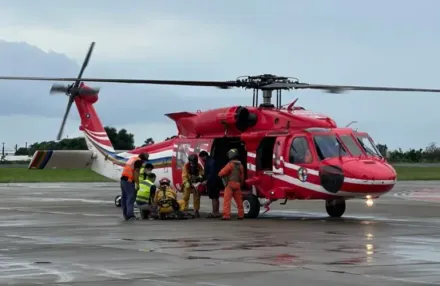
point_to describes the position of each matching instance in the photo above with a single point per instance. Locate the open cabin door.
(269, 161)
(182, 150)
(269, 154)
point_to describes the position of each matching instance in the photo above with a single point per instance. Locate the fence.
(9, 150)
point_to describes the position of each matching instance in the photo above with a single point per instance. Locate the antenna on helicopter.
(351, 123)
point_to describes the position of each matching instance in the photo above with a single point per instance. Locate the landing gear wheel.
(118, 201)
(335, 208)
(251, 206)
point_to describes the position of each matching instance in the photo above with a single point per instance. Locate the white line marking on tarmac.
(88, 201)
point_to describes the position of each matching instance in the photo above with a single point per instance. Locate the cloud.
(146, 35)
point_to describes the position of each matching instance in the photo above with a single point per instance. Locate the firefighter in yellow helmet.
(192, 174)
(166, 200)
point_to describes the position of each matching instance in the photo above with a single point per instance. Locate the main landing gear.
(251, 206)
(335, 208)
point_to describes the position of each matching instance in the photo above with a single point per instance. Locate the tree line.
(123, 140)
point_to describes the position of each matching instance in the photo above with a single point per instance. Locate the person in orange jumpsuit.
(192, 173)
(233, 176)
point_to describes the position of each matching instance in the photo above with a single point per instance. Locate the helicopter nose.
(368, 176)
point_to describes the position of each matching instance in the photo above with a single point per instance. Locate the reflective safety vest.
(143, 194)
(164, 197)
(129, 168)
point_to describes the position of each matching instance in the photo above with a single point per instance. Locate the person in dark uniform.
(211, 182)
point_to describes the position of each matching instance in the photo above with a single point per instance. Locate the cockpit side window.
(328, 146)
(368, 145)
(353, 148)
(300, 152)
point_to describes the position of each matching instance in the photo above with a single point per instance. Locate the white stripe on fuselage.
(153, 156)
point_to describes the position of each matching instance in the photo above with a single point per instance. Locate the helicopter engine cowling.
(238, 117)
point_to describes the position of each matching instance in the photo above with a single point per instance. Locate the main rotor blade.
(69, 105)
(220, 84)
(341, 88)
(228, 84)
(84, 65)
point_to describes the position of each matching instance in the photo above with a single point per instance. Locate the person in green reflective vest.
(145, 195)
(147, 169)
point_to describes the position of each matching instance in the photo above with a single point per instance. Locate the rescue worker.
(211, 182)
(130, 184)
(145, 195)
(233, 177)
(192, 173)
(148, 168)
(166, 199)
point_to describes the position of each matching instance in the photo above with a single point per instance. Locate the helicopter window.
(353, 148)
(368, 145)
(182, 155)
(328, 146)
(300, 151)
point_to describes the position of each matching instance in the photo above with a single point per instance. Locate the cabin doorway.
(265, 154)
(220, 148)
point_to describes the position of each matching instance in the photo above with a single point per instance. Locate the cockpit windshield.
(352, 147)
(368, 145)
(328, 146)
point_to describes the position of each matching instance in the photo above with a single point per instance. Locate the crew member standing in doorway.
(192, 173)
(233, 176)
(211, 182)
(130, 184)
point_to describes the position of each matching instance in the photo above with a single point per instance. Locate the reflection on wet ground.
(82, 240)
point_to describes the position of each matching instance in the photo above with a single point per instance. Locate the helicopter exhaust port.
(238, 117)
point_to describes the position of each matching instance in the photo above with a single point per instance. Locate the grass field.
(24, 175)
(409, 173)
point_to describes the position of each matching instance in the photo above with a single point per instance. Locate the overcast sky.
(331, 42)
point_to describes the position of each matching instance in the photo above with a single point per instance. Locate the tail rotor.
(73, 90)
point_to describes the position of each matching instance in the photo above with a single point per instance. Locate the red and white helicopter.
(288, 152)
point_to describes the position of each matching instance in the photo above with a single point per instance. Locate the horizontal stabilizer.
(176, 116)
(62, 159)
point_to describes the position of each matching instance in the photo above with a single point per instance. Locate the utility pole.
(3, 149)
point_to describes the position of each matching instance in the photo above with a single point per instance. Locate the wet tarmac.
(72, 234)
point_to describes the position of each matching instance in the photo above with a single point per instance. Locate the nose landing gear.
(335, 208)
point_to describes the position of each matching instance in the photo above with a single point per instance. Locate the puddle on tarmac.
(216, 244)
(418, 252)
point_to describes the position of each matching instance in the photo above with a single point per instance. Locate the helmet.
(193, 159)
(232, 154)
(165, 181)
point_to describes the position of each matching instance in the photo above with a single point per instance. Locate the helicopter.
(288, 152)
